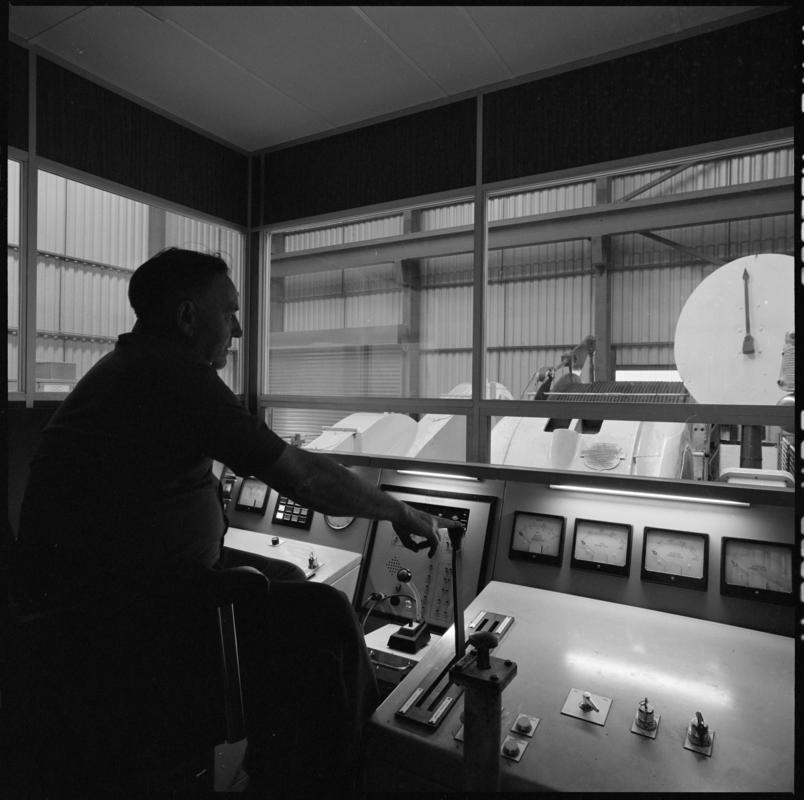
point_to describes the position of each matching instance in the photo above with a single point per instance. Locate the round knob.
(275, 540)
(404, 575)
(524, 724)
(483, 642)
(511, 748)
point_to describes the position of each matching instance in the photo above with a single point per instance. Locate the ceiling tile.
(536, 38)
(444, 42)
(27, 22)
(180, 75)
(327, 58)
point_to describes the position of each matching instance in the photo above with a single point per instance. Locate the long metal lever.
(455, 537)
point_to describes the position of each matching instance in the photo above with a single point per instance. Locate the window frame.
(478, 411)
(28, 264)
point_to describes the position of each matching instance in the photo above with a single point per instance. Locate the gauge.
(678, 558)
(602, 546)
(537, 537)
(338, 523)
(757, 570)
(253, 496)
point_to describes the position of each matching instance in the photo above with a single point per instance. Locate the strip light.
(650, 495)
(436, 475)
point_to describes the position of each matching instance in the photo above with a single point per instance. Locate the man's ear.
(186, 317)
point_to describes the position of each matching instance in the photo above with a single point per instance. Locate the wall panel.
(731, 82)
(85, 126)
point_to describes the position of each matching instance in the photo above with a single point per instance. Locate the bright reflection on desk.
(650, 680)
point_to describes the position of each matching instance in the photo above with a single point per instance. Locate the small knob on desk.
(587, 703)
(699, 730)
(523, 724)
(483, 642)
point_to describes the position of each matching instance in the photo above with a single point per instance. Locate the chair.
(153, 736)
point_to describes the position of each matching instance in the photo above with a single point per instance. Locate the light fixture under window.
(436, 475)
(650, 495)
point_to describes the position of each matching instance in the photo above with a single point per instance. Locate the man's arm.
(317, 481)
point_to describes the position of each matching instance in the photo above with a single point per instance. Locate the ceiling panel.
(34, 20)
(258, 76)
(536, 38)
(179, 75)
(326, 58)
(444, 42)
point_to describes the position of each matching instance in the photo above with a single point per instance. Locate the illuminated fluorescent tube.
(436, 475)
(649, 495)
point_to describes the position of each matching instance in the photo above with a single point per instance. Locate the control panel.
(428, 592)
(605, 698)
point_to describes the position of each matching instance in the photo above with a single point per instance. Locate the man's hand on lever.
(423, 526)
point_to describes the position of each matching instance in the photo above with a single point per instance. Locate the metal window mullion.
(28, 257)
(478, 447)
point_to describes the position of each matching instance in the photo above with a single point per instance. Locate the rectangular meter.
(757, 570)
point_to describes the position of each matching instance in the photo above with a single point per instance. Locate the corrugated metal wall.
(540, 299)
(89, 243)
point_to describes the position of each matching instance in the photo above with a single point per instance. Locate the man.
(122, 506)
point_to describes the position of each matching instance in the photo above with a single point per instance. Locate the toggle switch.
(646, 721)
(699, 738)
(587, 706)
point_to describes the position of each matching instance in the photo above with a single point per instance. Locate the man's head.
(188, 297)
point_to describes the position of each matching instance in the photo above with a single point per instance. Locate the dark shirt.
(121, 489)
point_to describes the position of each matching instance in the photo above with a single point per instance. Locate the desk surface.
(333, 563)
(741, 680)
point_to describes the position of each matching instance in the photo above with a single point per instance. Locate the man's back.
(121, 486)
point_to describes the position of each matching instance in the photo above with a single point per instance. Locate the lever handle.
(484, 642)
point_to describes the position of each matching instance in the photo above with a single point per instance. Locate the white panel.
(717, 173)
(334, 235)
(51, 213)
(13, 289)
(13, 203)
(542, 201)
(451, 216)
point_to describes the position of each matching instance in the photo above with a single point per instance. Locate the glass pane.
(696, 313)
(89, 243)
(437, 437)
(392, 321)
(13, 272)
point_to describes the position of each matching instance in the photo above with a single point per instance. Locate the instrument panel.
(432, 579)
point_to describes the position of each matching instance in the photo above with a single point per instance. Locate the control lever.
(412, 637)
(456, 533)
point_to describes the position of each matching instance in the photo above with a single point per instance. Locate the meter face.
(758, 570)
(677, 558)
(253, 496)
(537, 537)
(603, 546)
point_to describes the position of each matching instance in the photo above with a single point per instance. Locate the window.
(13, 273)
(587, 301)
(385, 311)
(89, 242)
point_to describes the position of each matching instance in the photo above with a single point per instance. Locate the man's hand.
(418, 523)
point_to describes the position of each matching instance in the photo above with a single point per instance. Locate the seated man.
(121, 507)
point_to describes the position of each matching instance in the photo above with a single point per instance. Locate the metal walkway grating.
(624, 392)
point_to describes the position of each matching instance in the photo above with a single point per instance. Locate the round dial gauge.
(675, 553)
(338, 523)
(756, 565)
(535, 533)
(601, 542)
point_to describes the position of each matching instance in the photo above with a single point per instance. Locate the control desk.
(631, 661)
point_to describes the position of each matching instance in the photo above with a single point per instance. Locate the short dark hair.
(162, 282)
